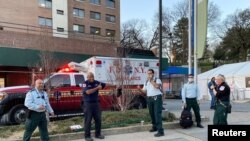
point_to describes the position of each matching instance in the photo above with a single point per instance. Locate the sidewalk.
(177, 133)
(170, 135)
(141, 133)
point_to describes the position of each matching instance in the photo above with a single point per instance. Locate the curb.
(114, 131)
(240, 101)
(111, 131)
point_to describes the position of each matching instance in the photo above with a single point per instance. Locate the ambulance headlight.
(2, 95)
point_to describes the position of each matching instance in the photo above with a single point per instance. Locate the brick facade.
(20, 28)
(40, 42)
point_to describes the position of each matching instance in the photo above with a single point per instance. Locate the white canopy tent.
(237, 76)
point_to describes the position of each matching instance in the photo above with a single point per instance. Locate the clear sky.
(145, 9)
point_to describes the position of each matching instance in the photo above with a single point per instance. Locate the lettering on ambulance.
(70, 94)
(78, 93)
(139, 69)
(114, 69)
(132, 78)
(135, 78)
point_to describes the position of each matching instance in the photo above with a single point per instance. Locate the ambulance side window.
(60, 80)
(79, 79)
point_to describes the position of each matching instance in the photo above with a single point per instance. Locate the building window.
(60, 29)
(97, 2)
(110, 33)
(60, 12)
(45, 21)
(78, 28)
(95, 15)
(95, 30)
(78, 13)
(110, 18)
(45, 3)
(110, 3)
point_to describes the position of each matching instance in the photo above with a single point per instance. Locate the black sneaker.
(200, 126)
(88, 139)
(100, 137)
(152, 130)
(159, 134)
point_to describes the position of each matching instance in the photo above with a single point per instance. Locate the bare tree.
(132, 34)
(136, 33)
(213, 15)
(180, 10)
(48, 62)
(120, 75)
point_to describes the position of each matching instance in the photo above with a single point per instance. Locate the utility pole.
(160, 39)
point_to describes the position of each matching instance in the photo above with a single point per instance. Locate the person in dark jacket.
(211, 85)
(91, 89)
(222, 93)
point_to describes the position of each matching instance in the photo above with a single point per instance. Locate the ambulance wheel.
(18, 114)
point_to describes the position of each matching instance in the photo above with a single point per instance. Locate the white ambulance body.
(126, 71)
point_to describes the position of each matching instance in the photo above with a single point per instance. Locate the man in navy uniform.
(37, 102)
(191, 98)
(91, 106)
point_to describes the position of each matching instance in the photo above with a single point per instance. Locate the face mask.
(190, 79)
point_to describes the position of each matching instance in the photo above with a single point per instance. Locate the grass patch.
(110, 119)
(6, 131)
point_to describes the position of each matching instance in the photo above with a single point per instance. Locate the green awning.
(30, 58)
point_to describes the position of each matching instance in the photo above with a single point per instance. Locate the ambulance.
(64, 87)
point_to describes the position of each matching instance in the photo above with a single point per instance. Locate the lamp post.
(160, 39)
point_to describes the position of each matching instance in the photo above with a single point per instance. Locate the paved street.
(240, 115)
